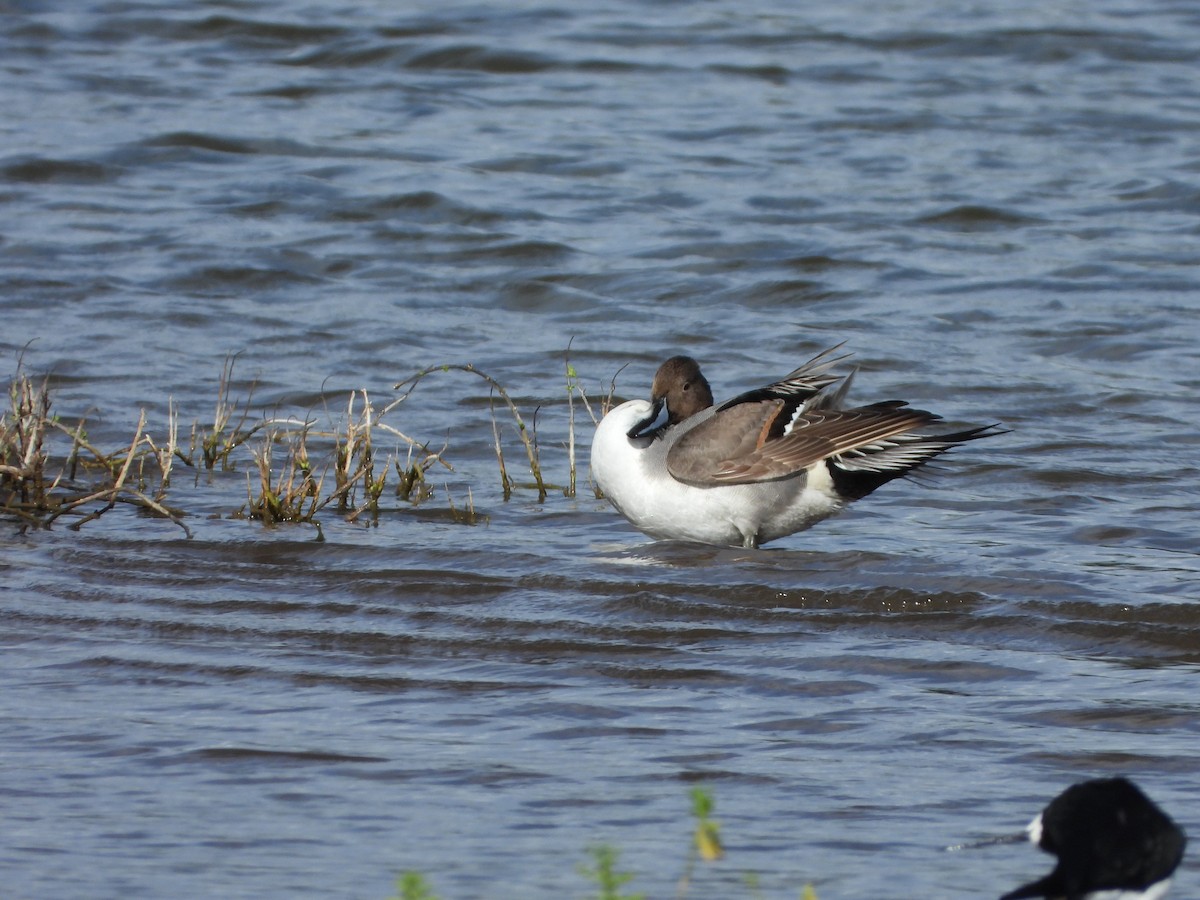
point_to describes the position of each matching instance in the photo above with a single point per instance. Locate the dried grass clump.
(229, 429)
(36, 495)
(294, 470)
(22, 446)
(350, 481)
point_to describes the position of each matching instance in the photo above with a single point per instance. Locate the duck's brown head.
(679, 391)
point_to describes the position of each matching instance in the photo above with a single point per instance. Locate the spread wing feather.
(721, 451)
(798, 385)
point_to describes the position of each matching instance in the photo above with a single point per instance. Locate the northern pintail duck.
(766, 464)
(1112, 843)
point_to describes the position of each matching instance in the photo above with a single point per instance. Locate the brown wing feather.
(733, 433)
(813, 437)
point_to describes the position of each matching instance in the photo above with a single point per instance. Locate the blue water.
(996, 209)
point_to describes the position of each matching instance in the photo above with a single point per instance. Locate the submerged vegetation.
(413, 886)
(353, 463)
(604, 873)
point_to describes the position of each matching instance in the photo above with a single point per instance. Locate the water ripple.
(993, 205)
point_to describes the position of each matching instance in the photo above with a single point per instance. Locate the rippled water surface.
(997, 207)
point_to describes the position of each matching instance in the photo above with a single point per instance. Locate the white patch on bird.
(787, 429)
(1034, 830)
(1156, 891)
(820, 480)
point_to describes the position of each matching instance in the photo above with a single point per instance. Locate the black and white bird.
(1112, 843)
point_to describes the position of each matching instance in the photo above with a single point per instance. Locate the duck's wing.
(735, 432)
(742, 426)
(798, 386)
(755, 442)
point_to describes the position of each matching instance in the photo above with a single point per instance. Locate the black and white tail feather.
(858, 472)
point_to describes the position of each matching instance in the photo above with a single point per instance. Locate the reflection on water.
(994, 207)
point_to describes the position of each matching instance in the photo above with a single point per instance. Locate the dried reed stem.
(572, 383)
(217, 444)
(530, 449)
(505, 482)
